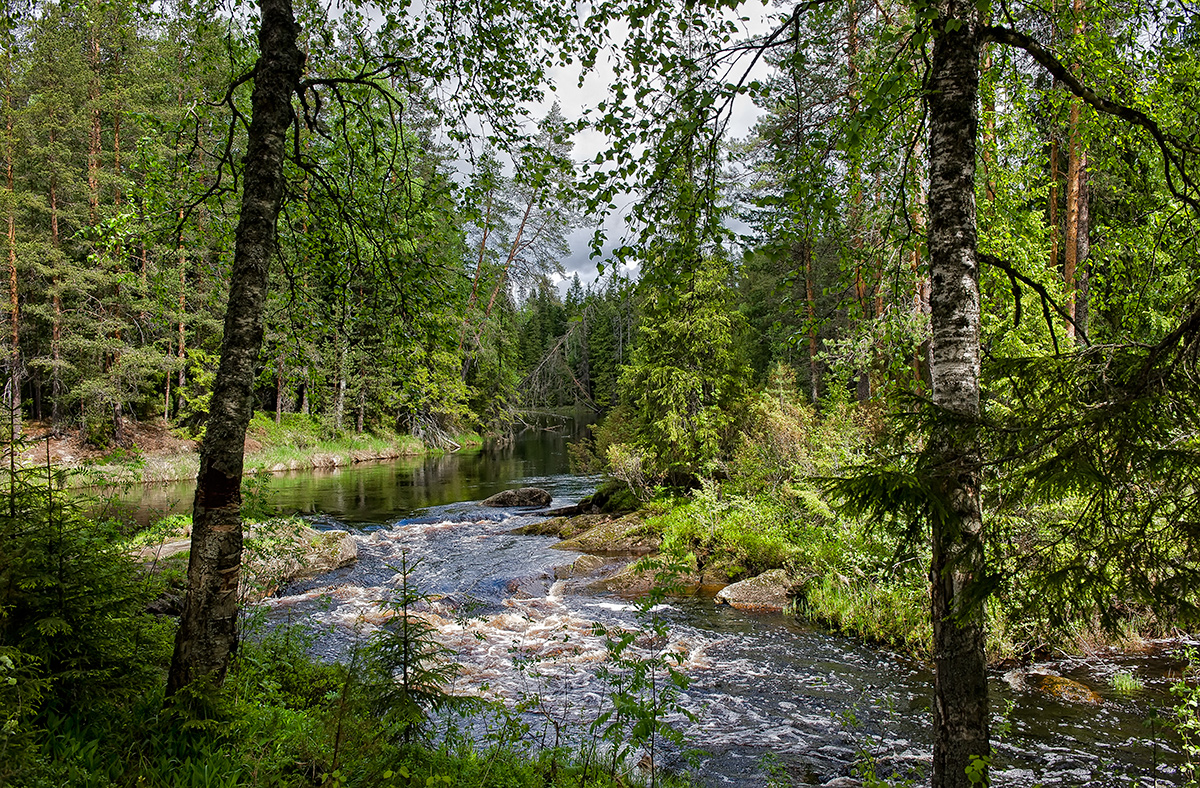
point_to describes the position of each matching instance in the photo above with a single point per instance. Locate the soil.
(70, 448)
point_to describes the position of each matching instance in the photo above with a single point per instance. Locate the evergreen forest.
(922, 336)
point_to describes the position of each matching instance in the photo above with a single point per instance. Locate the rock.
(529, 587)
(1052, 685)
(583, 566)
(169, 604)
(281, 550)
(276, 552)
(629, 580)
(562, 527)
(628, 535)
(765, 593)
(526, 496)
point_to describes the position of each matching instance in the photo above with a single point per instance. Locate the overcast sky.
(573, 99)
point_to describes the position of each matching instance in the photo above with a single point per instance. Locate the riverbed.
(767, 696)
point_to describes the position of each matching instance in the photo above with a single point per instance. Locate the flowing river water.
(770, 698)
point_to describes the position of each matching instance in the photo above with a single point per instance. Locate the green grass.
(296, 443)
(1125, 683)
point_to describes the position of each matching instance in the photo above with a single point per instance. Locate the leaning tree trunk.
(960, 709)
(207, 635)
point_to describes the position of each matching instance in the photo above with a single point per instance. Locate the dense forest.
(934, 319)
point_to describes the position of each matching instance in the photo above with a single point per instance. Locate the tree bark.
(960, 709)
(1077, 214)
(1083, 249)
(207, 637)
(12, 400)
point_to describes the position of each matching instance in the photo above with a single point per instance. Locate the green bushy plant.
(1187, 719)
(70, 599)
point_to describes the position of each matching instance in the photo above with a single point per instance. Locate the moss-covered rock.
(765, 593)
(627, 535)
(525, 496)
(275, 552)
(583, 566)
(1052, 685)
(562, 527)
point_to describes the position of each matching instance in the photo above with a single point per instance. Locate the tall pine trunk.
(12, 383)
(207, 636)
(960, 709)
(1074, 264)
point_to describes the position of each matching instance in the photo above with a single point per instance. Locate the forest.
(925, 337)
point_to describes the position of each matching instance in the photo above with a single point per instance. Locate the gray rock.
(765, 593)
(526, 496)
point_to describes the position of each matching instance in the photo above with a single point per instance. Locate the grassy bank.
(771, 507)
(296, 443)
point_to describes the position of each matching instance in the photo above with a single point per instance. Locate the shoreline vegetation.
(766, 516)
(154, 453)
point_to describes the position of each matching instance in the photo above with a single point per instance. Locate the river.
(771, 701)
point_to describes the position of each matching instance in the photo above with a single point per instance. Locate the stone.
(274, 553)
(628, 535)
(562, 527)
(583, 566)
(1052, 685)
(526, 496)
(765, 593)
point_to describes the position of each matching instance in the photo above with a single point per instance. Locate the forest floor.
(71, 448)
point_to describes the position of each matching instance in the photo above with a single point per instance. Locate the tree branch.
(1174, 149)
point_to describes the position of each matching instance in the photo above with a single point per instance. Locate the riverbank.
(153, 452)
(758, 555)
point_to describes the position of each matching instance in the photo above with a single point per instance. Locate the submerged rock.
(525, 496)
(765, 593)
(1052, 685)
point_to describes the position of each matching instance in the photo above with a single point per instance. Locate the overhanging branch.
(1174, 149)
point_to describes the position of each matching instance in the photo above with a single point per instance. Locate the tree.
(953, 459)
(949, 472)
(207, 634)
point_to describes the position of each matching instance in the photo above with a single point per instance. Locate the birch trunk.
(207, 637)
(960, 709)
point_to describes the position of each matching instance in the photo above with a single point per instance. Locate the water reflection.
(376, 492)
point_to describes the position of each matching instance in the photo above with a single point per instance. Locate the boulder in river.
(1052, 685)
(562, 527)
(765, 593)
(276, 552)
(627, 535)
(526, 496)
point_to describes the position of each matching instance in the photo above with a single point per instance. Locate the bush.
(70, 600)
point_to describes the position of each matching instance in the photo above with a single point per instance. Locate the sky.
(573, 98)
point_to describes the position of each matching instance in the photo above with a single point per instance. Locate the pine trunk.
(1083, 249)
(207, 637)
(12, 400)
(810, 301)
(56, 391)
(960, 709)
(1077, 212)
